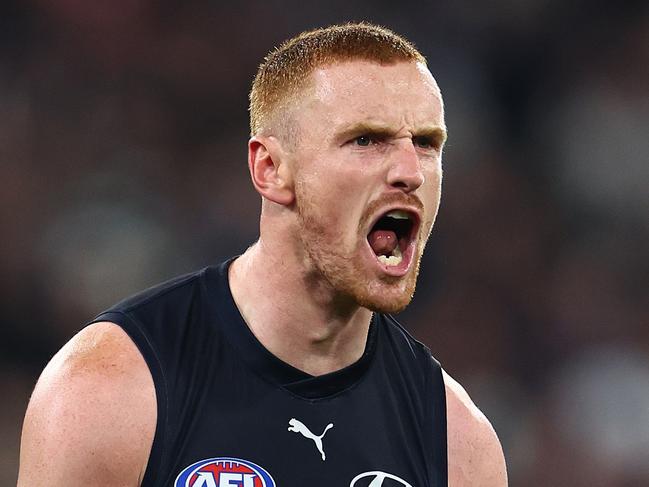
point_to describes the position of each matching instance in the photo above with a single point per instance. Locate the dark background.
(123, 130)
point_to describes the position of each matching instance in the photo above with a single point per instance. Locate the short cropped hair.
(286, 68)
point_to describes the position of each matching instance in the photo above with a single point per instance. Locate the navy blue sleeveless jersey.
(231, 414)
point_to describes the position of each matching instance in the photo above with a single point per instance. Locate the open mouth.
(391, 236)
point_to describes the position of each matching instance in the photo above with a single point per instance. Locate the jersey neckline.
(262, 361)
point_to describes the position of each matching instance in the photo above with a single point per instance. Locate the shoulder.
(176, 290)
(475, 455)
(92, 416)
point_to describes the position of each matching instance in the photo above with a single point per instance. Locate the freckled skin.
(92, 416)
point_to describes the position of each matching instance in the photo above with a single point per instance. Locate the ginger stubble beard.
(343, 268)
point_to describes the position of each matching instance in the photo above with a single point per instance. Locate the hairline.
(287, 69)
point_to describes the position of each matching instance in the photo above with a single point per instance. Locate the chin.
(355, 283)
(386, 298)
(386, 306)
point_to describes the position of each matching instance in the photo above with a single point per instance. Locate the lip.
(408, 253)
(414, 212)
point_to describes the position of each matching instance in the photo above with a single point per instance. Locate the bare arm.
(475, 456)
(92, 416)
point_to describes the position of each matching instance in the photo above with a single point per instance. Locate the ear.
(270, 173)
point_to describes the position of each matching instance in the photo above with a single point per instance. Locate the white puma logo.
(298, 426)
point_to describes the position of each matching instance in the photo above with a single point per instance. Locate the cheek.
(337, 191)
(326, 206)
(433, 185)
(432, 196)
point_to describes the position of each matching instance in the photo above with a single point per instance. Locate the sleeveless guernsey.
(231, 414)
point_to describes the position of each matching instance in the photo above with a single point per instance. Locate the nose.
(405, 168)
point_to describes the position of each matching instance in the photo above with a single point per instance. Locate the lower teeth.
(392, 260)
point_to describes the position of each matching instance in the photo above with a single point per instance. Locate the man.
(280, 368)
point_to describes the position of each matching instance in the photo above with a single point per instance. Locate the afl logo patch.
(224, 472)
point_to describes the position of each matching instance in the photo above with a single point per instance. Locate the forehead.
(403, 93)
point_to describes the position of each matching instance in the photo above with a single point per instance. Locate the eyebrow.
(382, 130)
(432, 132)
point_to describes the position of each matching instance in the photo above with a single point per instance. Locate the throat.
(337, 331)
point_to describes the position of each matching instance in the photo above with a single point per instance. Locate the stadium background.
(123, 133)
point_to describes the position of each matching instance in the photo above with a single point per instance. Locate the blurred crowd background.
(123, 130)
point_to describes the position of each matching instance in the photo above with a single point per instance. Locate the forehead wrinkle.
(327, 91)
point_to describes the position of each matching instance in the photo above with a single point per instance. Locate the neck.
(294, 313)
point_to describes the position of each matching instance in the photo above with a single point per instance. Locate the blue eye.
(363, 140)
(423, 142)
(429, 143)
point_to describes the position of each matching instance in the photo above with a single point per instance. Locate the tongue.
(383, 242)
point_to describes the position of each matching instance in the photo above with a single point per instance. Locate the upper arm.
(475, 456)
(92, 416)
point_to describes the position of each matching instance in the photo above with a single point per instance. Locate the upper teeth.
(398, 215)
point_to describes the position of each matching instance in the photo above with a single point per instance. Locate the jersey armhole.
(135, 332)
(437, 415)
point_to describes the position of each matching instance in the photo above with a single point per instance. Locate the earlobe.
(269, 171)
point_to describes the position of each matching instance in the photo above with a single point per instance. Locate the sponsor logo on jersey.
(377, 479)
(224, 472)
